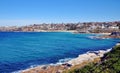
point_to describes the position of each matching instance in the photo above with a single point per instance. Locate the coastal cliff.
(109, 63)
(90, 62)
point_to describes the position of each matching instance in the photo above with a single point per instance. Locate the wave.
(97, 37)
(60, 62)
(63, 61)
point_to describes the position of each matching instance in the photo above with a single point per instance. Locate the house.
(114, 27)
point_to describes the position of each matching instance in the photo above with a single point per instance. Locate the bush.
(110, 63)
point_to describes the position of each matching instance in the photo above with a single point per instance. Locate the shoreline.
(82, 59)
(72, 31)
(44, 31)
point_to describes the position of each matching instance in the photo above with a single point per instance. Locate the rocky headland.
(80, 61)
(111, 35)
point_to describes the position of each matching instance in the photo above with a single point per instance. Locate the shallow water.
(20, 50)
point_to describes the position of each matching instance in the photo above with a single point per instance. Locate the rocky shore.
(114, 35)
(81, 60)
(89, 56)
(111, 35)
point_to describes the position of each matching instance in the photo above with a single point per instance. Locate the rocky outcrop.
(81, 60)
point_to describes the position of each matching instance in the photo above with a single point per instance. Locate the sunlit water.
(20, 50)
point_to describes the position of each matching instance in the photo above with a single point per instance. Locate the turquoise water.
(20, 50)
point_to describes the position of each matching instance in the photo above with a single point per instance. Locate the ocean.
(22, 50)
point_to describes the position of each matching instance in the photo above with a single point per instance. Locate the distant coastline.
(86, 27)
(104, 28)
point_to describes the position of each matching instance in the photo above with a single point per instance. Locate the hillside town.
(86, 27)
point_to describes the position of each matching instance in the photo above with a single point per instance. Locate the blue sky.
(25, 12)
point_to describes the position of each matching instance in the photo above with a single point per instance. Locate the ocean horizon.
(21, 50)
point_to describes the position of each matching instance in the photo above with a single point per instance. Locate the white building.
(114, 27)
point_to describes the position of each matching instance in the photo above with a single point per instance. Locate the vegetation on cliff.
(110, 63)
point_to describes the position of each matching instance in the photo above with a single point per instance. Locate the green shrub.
(110, 64)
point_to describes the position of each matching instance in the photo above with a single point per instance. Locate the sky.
(26, 12)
